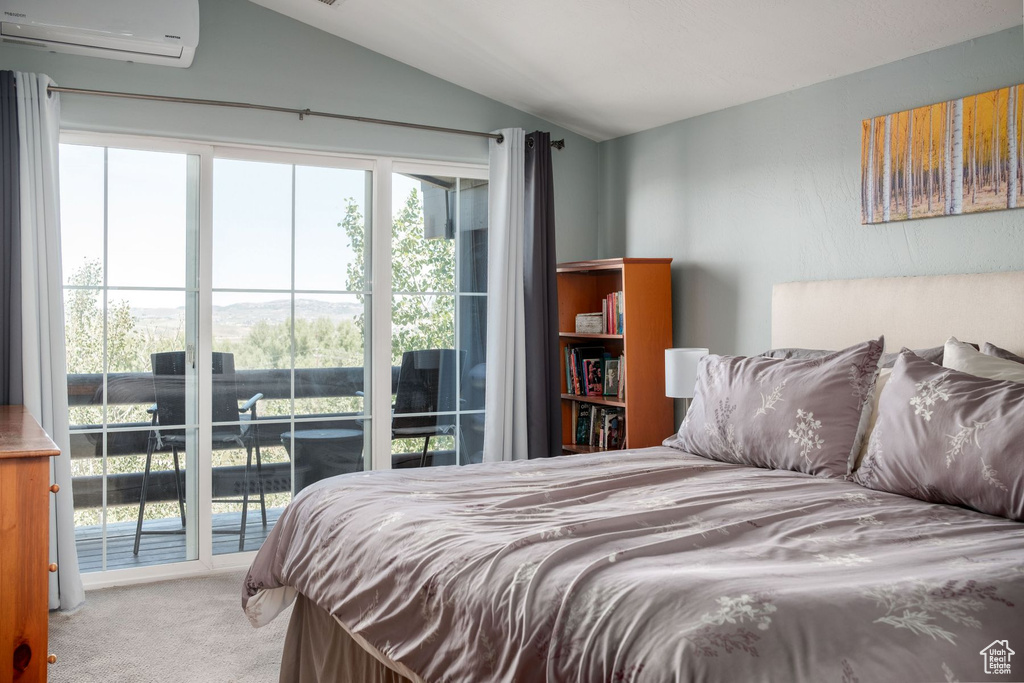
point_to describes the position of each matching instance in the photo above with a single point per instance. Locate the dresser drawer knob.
(53, 567)
(52, 659)
(54, 488)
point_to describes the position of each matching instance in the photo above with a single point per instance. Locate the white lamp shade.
(681, 371)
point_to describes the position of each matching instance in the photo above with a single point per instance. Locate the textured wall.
(770, 192)
(252, 54)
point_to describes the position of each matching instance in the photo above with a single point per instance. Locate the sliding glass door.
(291, 298)
(243, 323)
(130, 226)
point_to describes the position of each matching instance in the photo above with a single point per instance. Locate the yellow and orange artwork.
(961, 156)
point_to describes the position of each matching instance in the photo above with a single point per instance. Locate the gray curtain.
(540, 298)
(505, 424)
(44, 381)
(10, 245)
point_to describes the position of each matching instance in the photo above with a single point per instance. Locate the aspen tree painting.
(961, 156)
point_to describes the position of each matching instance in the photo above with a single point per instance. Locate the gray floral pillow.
(948, 437)
(990, 349)
(933, 354)
(803, 415)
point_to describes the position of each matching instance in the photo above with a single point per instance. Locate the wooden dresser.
(25, 452)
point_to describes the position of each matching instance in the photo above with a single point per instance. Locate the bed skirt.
(317, 649)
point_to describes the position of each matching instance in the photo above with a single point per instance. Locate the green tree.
(417, 265)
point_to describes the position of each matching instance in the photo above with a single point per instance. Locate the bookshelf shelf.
(574, 448)
(596, 400)
(646, 295)
(573, 335)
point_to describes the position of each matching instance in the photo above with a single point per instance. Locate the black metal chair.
(169, 413)
(427, 383)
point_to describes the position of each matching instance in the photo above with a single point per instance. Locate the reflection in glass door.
(130, 222)
(291, 306)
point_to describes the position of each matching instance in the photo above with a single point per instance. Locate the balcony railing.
(137, 389)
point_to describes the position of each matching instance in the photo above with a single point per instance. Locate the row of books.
(593, 371)
(594, 425)
(612, 309)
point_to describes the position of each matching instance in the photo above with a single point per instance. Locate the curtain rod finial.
(558, 144)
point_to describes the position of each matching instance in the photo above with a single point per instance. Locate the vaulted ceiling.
(606, 68)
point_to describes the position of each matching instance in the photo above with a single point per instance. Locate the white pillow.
(883, 377)
(965, 358)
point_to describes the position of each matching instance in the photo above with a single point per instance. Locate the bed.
(655, 564)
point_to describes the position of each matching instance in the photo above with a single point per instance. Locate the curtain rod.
(302, 113)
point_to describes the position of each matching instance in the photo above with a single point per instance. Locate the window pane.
(473, 344)
(83, 339)
(330, 354)
(330, 228)
(326, 448)
(255, 329)
(421, 321)
(107, 501)
(81, 214)
(140, 324)
(423, 347)
(237, 469)
(146, 213)
(472, 235)
(252, 218)
(422, 234)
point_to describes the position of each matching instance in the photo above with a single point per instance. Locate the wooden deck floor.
(165, 548)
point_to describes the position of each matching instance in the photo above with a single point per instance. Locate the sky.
(252, 213)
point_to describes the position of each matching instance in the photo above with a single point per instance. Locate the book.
(612, 308)
(621, 312)
(576, 373)
(583, 424)
(568, 369)
(593, 374)
(614, 436)
(622, 378)
(599, 427)
(611, 377)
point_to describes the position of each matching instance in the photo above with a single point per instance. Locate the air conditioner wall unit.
(148, 31)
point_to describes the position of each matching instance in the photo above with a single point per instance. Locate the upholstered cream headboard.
(916, 312)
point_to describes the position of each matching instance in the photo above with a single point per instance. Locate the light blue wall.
(249, 53)
(770, 192)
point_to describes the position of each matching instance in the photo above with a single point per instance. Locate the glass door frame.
(378, 284)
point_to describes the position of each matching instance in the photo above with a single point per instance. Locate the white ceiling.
(606, 68)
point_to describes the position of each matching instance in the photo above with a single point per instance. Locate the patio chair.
(169, 413)
(427, 384)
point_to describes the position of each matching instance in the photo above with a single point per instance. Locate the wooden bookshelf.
(646, 284)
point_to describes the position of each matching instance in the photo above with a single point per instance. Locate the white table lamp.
(681, 371)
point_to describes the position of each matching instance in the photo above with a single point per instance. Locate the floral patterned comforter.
(650, 565)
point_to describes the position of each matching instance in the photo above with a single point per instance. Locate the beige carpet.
(187, 630)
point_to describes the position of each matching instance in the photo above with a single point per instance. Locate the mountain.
(233, 321)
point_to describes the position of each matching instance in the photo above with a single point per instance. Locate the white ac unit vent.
(149, 31)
